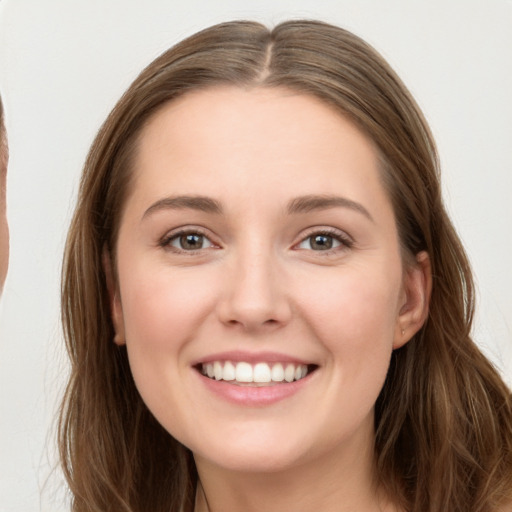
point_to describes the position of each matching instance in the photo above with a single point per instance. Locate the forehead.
(254, 141)
(238, 113)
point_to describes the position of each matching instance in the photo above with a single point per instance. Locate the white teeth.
(217, 370)
(243, 372)
(278, 372)
(289, 373)
(229, 371)
(260, 373)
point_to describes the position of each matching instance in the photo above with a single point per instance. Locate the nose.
(254, 297)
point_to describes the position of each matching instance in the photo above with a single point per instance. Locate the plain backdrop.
(63, 64)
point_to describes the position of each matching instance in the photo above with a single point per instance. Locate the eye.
(319, 242)
(188, 241)
(324, 241)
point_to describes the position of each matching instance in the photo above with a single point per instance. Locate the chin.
(251, 456)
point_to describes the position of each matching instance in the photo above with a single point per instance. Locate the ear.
(415, 299)
(116, 308)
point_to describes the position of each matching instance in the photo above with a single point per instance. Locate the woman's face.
(260, 286)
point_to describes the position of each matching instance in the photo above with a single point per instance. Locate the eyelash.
(345, 242)
(166, 241)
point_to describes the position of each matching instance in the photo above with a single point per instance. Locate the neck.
(342, 480)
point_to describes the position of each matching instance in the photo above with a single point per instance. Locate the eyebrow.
(302, 204)
(309, 203)
(199, 203)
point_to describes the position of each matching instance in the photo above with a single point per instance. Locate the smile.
(261, 373)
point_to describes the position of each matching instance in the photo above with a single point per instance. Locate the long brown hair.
(444, 417)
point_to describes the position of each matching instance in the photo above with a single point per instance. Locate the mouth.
(259, 374)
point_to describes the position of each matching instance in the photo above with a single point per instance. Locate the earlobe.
(416, 297)
(116, 309)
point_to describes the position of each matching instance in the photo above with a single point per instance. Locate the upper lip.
(251, 357)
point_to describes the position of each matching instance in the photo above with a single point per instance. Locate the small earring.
(403, 332)
(118, 340)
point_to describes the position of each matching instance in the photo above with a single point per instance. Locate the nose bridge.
(255, 294)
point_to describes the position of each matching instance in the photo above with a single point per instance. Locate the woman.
(265, 303)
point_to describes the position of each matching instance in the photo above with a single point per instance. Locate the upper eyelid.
(174, 233)
(187, 229)
(326, 230)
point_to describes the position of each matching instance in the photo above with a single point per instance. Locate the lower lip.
(253, 396)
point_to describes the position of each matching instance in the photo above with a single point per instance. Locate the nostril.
(248, 322)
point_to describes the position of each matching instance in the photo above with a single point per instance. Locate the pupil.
(321, 242)
(191, 241)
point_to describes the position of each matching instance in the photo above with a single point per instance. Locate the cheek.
(354, 314)
(162, 308)
(162, 311)
(354, 302)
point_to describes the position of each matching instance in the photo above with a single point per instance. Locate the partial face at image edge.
(4, 230)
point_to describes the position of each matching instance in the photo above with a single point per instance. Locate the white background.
(63, 64)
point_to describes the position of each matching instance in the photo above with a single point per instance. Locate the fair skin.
(4, 230)
(258, 233)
